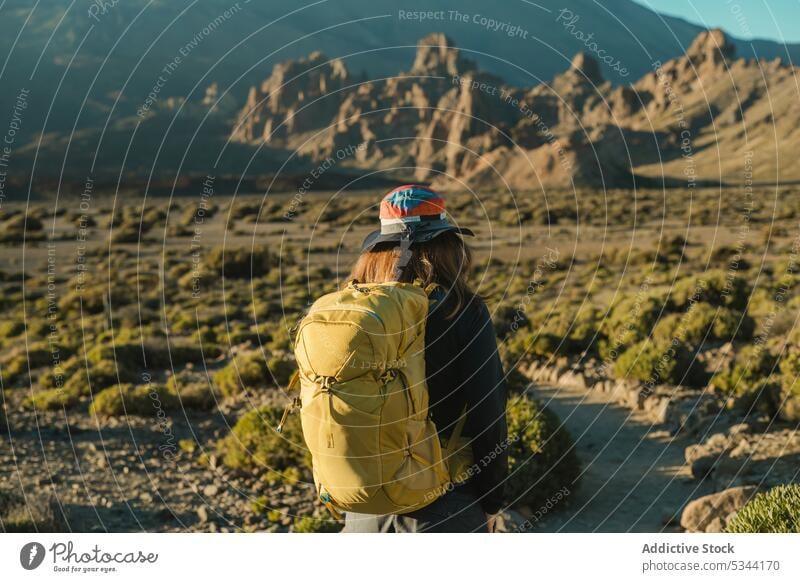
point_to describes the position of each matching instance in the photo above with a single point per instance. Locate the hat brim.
(420, 235)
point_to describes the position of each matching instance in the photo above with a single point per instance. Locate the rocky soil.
(131, 474)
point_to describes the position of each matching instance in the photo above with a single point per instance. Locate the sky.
(777, 20)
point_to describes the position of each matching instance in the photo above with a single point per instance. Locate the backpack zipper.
(348, 307)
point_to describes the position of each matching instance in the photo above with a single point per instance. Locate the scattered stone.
(712, 513)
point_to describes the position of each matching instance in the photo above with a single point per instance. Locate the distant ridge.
(701, 118)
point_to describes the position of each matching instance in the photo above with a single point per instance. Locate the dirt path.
(634, 477)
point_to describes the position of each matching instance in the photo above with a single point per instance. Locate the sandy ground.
(634, 477)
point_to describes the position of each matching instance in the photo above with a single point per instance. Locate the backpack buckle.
(389, 375)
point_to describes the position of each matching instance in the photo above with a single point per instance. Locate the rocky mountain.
(705, 116)
(117, 89)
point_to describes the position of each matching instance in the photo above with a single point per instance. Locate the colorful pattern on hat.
(411, 203)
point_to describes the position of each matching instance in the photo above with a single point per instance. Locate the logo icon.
(31, 555)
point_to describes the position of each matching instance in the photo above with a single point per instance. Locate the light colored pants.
(455, 512)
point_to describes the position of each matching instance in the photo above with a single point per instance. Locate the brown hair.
(445, 260)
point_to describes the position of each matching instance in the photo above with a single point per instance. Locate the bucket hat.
(414, 213)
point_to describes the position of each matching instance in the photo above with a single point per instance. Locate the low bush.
(11, 328)
(776, 511)
(750, 384)
(129, 399)
(660, 362)
(33, 513)
(718, 287)
(541, 454)
(310, 524)
(254, 445)
(133, 356)
(239, 263)
(247, 371)
(704, 323)
(789, 408)
(20, 361)
(538, 344)
(54, 398)
(193, 392)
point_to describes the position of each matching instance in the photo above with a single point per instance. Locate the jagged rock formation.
(691, 119)
(298, 96)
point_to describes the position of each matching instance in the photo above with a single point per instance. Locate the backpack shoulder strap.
(430, 288)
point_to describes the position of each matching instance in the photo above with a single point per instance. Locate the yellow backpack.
(364, 401)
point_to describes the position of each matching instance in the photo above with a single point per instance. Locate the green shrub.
(72, 377)
(239, 263)
(127, 232)
(630, 321)
(659, 362)
(193, 393)
(719, 288)
(129, 358)
(541, 455)
(54, 398)
(580, 329)
(128, 399)
(281, 370)
(310, 524)
(254, 444)
(280, 338)
(30, 514)
(790, 386)
(749, 384)
(247, 371)
(11, 328)
(20, 361)
(538, 344)
(22, 227)
(776, 511)
(703, 323)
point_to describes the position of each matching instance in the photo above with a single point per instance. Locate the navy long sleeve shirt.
(463, 367)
